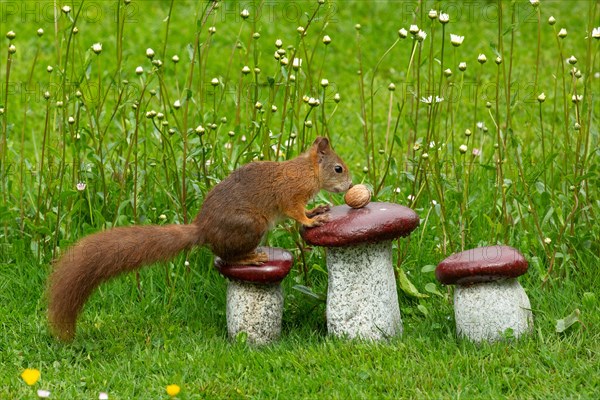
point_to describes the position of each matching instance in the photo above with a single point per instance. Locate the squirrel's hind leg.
(253, 258)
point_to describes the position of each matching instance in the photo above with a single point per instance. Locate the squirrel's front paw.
(318, 220)
(318, 210)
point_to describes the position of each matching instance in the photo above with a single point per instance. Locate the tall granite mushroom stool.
(255, 296)
(362, 300)
(488, 299)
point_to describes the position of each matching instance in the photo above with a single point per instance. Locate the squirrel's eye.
(338, 169)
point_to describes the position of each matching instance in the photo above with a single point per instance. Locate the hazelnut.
(358, 196)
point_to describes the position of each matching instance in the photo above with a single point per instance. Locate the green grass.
(543, 198)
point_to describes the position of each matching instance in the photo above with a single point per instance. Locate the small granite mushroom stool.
(488, 299)
(255, 296)
(362, 300)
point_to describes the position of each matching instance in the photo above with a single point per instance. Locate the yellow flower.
(30, 376)
(173, 390)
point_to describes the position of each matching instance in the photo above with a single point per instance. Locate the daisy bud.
(447, 72)
(139, 70)
(97, 48)
(326, 39)
(336, 97)
(157, 63)
(324, 82)
(245, 70)
(10, 35)
(214, 81)
(576, 98)
(256, 35)
(257, 70)
(562, 33)
(467, 132)
(66, 9)
(49, 68)
(535, 3)
(308, 123)
(577, 126)
(276, 55)
(149, 53)
(403, 33)
(596, 33)
(551, 20)
(313, 102)
(444, 18)
(488, 104)
(297, 63)
(572, 60)
(175, 58)
(1, 110)
(284, 61)
(542, 97)
(482, 59)
(75, 30)
(424, 156)
(391, 87)
(200, 130)
(547, 240)
(292, 78)
(463, 148)
(578, 74)
(432, 14)
(300, 30)
(456, 40)
(462, 66)
(281, 52)
(358, 27)
(498, 60)
(150, 114)
(71, 120)
(278, 43)
(273, 108)
(40, 32)
(12, 49)
(212, 30)
(258, 105)
(245, 13)
(177, 104)
(421, 35)
(414, 29)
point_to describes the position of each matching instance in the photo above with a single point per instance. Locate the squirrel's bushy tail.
(101, 256)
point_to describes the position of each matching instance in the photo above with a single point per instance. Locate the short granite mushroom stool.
(255, 296)
(362, 299)
(488, 299)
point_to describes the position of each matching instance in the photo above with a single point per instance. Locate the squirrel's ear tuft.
(321, 143)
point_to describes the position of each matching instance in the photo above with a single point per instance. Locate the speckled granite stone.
(362, 301)
(254, 309)
(483, 311)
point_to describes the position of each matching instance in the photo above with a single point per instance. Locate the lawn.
(115, 113)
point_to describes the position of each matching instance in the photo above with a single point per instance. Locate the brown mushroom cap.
(482, 264)
(373, 223)
(273, 271)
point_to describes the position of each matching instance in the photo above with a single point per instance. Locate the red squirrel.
(233, 219)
